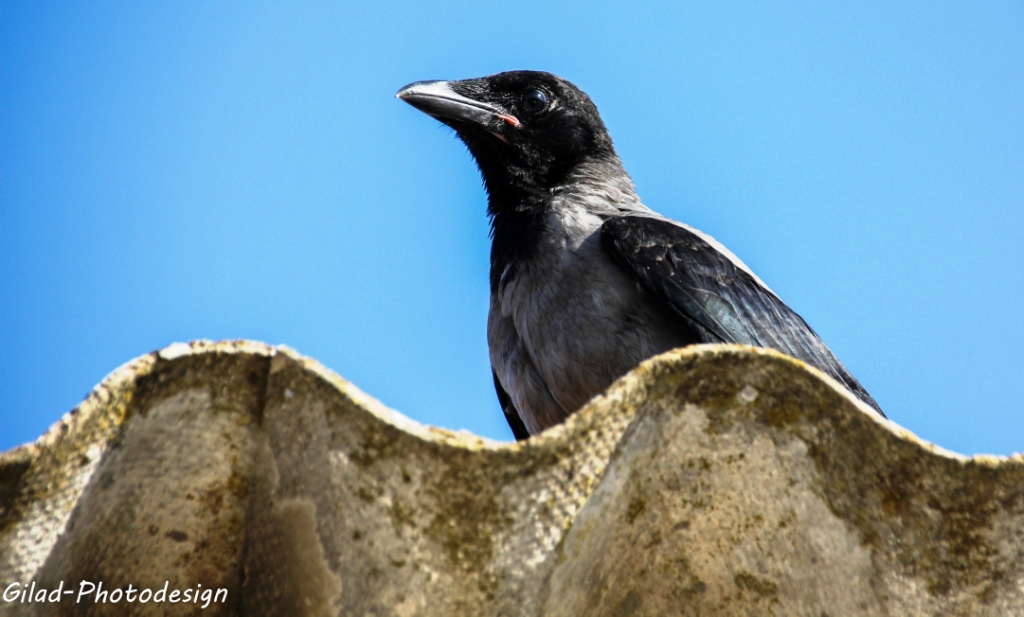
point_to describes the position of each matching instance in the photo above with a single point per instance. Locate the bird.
(586, 282)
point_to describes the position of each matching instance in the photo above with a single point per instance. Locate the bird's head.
(526, 129)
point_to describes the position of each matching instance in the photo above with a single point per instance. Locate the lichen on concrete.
(716, 480)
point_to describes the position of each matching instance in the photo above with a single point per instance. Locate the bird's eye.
(534, 101)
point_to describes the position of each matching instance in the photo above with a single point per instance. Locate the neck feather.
(519, 211)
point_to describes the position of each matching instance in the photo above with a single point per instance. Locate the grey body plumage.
(567, 321)
(586, 281)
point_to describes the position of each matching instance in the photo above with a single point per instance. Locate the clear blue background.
(173, 171)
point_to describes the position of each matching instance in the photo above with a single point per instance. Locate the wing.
(511, 414)
(718, 297)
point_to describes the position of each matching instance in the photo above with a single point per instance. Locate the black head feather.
(526, 130)
(549, 139)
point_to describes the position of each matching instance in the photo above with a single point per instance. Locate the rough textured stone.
(718, 480)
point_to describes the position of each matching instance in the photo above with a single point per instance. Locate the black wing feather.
(511, 414)
(708, 289)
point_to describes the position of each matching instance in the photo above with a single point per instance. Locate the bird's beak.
(436, 98)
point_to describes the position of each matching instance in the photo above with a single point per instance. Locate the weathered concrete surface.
(718, 480)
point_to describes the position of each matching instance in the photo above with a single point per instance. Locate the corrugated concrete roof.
(713, 480)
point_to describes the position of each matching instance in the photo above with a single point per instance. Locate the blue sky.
(242, 170)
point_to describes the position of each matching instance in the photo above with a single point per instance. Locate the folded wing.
(720, 300)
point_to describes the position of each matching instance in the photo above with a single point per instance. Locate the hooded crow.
(586, 281)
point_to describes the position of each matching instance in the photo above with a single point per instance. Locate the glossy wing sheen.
(720, 301)
(511, 414)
